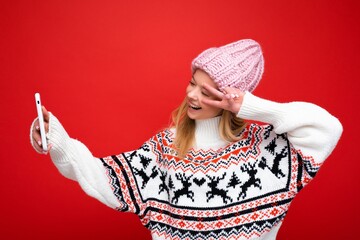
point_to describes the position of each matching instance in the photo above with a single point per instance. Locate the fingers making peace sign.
(231, 99)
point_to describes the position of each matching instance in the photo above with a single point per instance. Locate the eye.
(192, 83)
(205, 94)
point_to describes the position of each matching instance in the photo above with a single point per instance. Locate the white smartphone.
(41, 121)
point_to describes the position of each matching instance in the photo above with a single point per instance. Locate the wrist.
(262, 110)
(58, 139)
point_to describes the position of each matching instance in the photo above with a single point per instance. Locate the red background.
(112, 71)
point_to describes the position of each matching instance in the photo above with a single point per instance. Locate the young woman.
(210, 175)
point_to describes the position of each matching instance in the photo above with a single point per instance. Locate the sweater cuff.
(60, 141)
(258, 109)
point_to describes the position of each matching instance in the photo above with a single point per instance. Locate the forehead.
(202, 77)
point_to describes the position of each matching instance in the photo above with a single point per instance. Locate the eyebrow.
(202, 88)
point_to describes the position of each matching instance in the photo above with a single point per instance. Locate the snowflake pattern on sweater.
(240, 191)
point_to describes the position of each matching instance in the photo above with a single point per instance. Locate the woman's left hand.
(231, 100)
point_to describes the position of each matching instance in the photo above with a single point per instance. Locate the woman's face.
(196, 93)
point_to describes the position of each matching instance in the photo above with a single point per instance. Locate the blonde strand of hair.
(230, 128)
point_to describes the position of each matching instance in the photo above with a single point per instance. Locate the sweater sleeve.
(105, 179)
(311, 130)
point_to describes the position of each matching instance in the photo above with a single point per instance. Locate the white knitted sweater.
(220, 190)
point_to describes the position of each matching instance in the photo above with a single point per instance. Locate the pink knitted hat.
(239, 64)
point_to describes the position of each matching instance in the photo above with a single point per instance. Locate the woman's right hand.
(36, 131)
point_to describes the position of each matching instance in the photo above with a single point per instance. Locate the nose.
(192, 94)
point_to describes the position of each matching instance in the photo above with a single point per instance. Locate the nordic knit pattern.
(241, 190)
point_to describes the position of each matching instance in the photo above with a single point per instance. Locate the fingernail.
(39, 142)
(37, 127)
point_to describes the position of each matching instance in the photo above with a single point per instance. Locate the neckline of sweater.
(207, 134)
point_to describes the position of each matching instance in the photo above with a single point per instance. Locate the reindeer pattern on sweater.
(243, 189)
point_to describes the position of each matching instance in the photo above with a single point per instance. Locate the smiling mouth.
(194, 107)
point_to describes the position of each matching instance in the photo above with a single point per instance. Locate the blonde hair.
(230, 128)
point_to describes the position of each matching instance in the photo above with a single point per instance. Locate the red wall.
(112, 71)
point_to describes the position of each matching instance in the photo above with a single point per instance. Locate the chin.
(192, 116)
